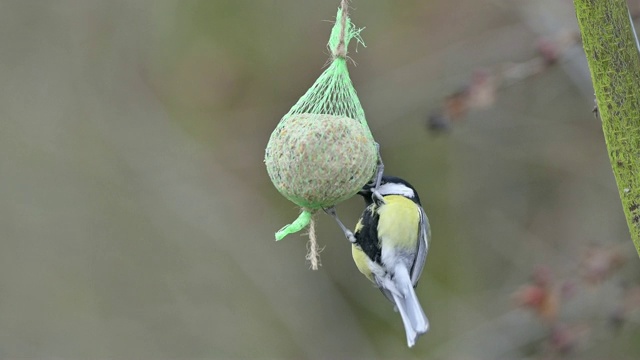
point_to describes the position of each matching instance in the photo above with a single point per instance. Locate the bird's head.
(390, 185)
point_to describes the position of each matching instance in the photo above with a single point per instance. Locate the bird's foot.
(331, 211)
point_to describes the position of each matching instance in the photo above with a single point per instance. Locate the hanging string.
(313, 251)
(341, 49)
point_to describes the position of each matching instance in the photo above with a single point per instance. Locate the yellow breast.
(399, 221)
(362, 261)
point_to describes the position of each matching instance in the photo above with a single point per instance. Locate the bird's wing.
(424, 237)
(389, 296)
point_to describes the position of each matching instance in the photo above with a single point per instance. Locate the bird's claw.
(377, 197)
(375, 194)
(331, 211)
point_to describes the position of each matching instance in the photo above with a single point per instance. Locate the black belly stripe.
(367, 236)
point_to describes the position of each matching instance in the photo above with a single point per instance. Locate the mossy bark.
(614, 61)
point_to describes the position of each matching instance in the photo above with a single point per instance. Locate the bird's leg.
(379, 172)
(331, 211)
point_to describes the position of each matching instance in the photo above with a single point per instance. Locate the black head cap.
(390, 185)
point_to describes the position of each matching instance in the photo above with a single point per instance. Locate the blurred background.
(137, 218)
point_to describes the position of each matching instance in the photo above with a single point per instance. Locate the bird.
(390, 245)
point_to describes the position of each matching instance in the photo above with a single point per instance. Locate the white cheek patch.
(396, 189)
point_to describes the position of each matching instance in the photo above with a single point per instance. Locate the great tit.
(390, 246)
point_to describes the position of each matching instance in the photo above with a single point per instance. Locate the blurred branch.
(483, 86)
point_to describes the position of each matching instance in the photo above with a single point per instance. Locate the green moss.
(614, 62)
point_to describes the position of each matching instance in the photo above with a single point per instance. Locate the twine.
(341, 49)
(313, 251)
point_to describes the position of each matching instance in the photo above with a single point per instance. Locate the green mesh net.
(322, 151)
(611, 48)
(316, 160)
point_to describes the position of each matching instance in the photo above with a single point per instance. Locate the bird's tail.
(413, 317)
